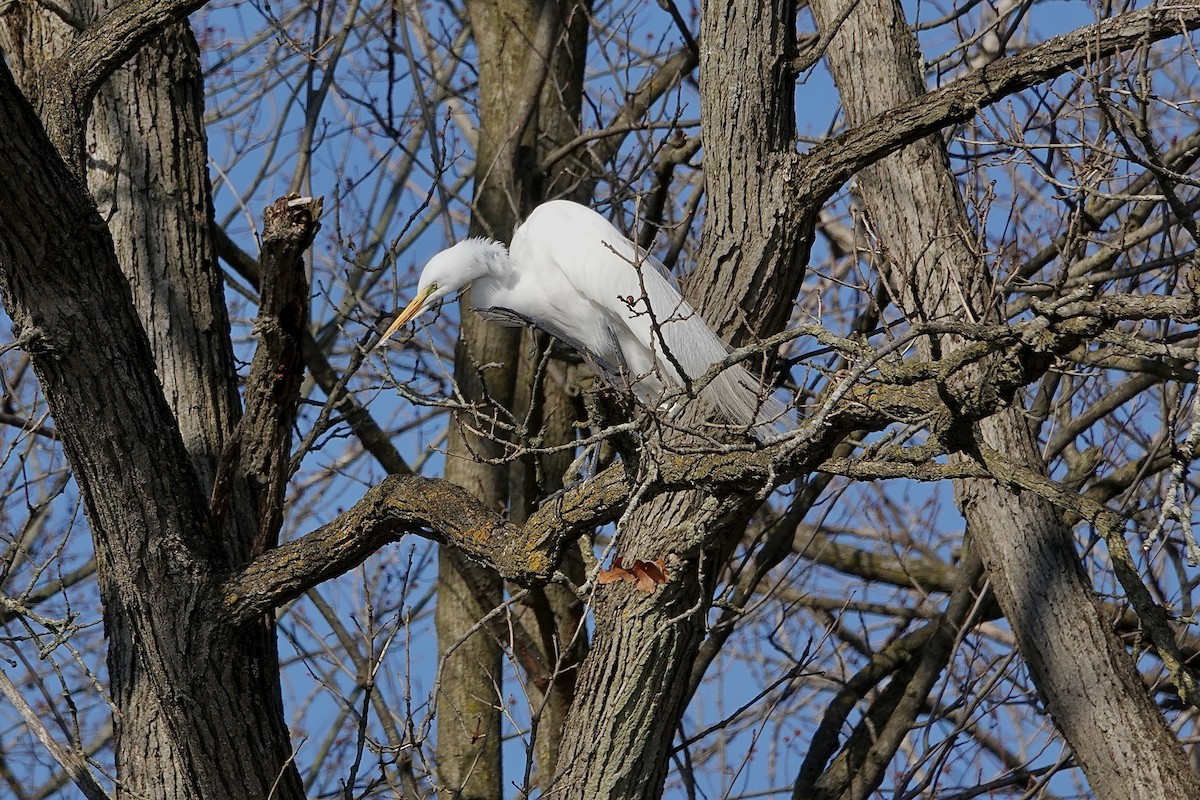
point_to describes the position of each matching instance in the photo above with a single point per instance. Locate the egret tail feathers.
(745, 401)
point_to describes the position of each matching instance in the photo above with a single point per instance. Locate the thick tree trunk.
(148, 170)
(554, 615)
(633, 685)
(1085, 676)
(150, 179)
(196, 715)
(525, 103)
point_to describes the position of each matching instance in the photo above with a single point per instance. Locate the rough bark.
(63, 288)
(258, 454)
(147, 170)
(65, 87)
(633, 683)
(1086, 678)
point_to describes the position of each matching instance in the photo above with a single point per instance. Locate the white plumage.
(572, 274)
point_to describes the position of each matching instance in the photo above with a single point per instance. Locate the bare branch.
(432, 508)
(71, 762)
(374, 439)
(260, 448)
(529, 554)
(829, 165)
(860, 766)
(1111, 526)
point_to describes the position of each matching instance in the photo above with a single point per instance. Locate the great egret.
(572, 274)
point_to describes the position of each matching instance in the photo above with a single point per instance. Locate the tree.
(980, 281)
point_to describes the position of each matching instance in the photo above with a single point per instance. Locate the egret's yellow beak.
(410, 311)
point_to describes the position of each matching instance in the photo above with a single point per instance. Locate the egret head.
(448, 273)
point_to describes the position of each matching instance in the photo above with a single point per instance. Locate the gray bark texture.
(156, 554)
(633, 683)
(1087, 679)
(107, 270)
(148, 324)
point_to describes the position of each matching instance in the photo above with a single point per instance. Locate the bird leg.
(608, 407)
(584, 466)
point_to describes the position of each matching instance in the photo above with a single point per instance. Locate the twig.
(71, 762)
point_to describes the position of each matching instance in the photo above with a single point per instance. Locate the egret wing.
(657, 330)
(608, 269)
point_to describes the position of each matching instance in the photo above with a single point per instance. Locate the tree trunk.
(151, 178)
(525, 102)
(633, 685)
(196, 710)
(1087, 679)
(470, 697)
(150, 181)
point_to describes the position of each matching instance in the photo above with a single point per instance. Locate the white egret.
(572, 274)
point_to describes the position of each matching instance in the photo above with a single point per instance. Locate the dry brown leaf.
(645, 575)
(616, 572)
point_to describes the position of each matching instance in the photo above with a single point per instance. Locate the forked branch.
(401, 505)
(528, 554)
(69, 83)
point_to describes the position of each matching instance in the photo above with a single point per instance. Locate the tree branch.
(860, 766)
(607, 143)
(260, 447)
(1110, 525)
(374, 439)
(529, 554)
(432, 508)
(71, 762)
(442, 512)
(68, 84)
(829, 165)
(925, 574)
